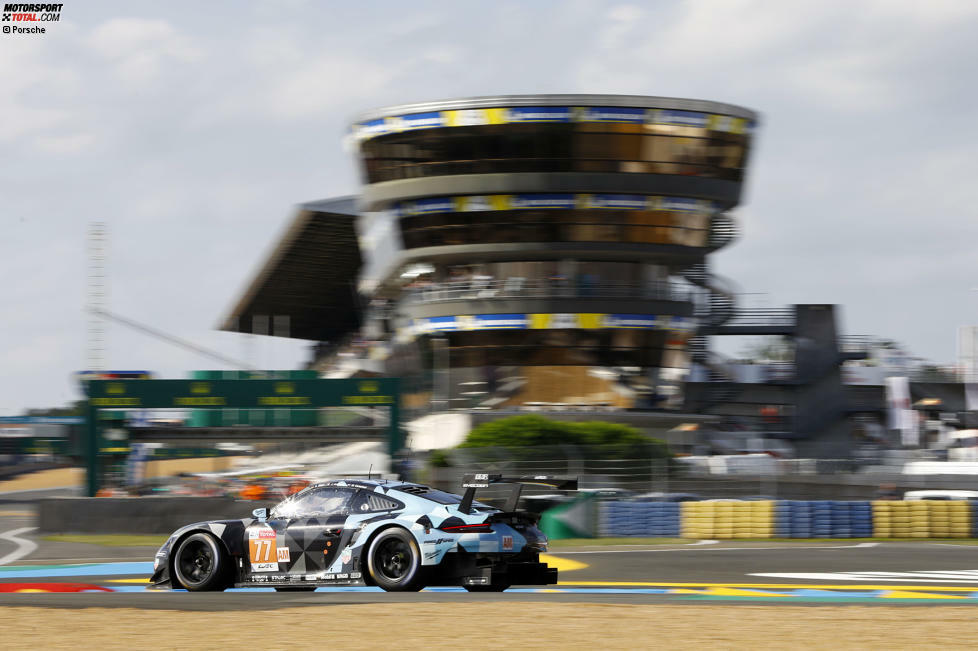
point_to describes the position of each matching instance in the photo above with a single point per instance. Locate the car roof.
(370, 484)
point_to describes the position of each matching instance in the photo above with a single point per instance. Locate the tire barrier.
(728, 519)
(649, 519)
(731, 519)
(923, 519)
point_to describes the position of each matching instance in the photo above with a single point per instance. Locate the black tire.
(492, 587)
(394, 561)
(296, 588)
(200, 564)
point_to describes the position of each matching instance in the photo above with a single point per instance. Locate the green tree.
(76, 408)
(532, 431)
(769, 349)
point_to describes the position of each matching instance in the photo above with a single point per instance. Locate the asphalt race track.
(41, 573)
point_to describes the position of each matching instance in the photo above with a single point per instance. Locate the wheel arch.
(365, 549)
(172, 556)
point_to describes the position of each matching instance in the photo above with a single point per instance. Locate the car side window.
(318, 501)
(369, 501)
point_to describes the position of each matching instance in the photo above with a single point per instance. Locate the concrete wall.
(136, 515)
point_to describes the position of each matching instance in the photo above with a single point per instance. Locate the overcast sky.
(193, 128)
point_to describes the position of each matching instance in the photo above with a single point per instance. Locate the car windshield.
(313, 502)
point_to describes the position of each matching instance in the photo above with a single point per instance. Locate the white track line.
(24, 546)
(561, 552)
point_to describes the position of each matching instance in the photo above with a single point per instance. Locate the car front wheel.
(394, 561)
(200, 564)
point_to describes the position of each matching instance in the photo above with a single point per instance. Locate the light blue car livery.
(397, 535)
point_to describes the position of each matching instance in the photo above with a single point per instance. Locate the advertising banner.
(551, 114)
(551, 201)
(540, 321)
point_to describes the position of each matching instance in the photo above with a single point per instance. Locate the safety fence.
(789, 519)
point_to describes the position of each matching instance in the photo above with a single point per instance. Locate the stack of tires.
(722, 519)
(940, 519)
(822, 519)
(861, 516)
(950, 519)
(782, 518)
(619, 519)
(649, 519)
(728, 519)
(801, 519)
(919, 512)
(892, 519)
(761, 519)
(698, 519)
(792, 519)
(882, 519)
(664, 519)
(841, 520)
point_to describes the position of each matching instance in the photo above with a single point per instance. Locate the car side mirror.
(261, 514)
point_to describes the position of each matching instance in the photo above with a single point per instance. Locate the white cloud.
(141, 49)
(324, 83)
(71, 143)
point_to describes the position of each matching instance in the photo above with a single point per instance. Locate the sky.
(193, 129)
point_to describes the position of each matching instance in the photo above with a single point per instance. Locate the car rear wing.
(473, 481)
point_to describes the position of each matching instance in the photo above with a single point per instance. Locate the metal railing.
(723, 230)
(856, 343)
(779, 316)
(517, 287)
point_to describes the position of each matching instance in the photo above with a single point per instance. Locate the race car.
(397, 535)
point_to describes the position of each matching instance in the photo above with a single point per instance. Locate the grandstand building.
(552, 253)
(530, 251)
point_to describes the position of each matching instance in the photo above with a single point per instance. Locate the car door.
(302, 535)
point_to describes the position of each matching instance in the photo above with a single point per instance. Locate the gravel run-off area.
(497, 626)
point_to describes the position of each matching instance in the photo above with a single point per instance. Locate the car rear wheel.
(492, 587)
(200, 564)
(394, 561)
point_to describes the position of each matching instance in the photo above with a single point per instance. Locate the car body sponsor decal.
(438, 541)
(507, 543)
(261, 546)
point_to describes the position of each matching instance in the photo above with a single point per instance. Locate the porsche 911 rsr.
(396, 535)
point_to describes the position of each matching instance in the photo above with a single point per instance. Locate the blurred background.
(678, 259)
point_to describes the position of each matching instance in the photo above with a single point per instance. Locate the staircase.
(723, 230)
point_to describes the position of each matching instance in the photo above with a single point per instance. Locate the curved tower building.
(551, 249)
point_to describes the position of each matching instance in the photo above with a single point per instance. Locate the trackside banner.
(650, 117)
